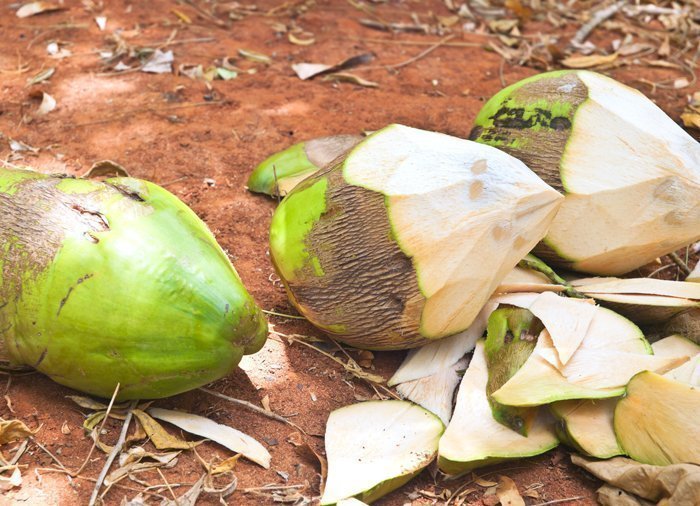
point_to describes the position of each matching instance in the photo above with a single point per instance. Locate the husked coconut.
(406, 237)
(630, 174)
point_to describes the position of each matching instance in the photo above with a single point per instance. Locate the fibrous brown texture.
(364, 268)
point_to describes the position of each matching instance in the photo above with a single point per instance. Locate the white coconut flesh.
(657, 420)
(527, 280)
(474, 439)
(435, 357)
(435, 392)
(375, 447)
(633, 187)
(675, 345)
(465, 226)
(588, 424)
(643, 300)
(611, 350)
(694, 276)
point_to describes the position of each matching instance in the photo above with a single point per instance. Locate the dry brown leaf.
(691, 119)
(585, 62)
(15, 480)
(308, 70)
(673, 484)
(503, 26)
(507, 492)
(161, 438)
(306, 41)
(613, 496)
(351, 78)
(33, 8)
(254, 56)
(225, 466)
(483, 482)
(48, 104)
(87, 402)
(104, 169)
(266, 403)
(14, 430)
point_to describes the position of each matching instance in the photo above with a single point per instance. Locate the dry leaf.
(225, 466)
(160, 438)
(65, 428)
(48, 104)
(87, 402)
(182, 16)
(308, 70)
(101, 22)
(41, 76)
(229, 437)
(681, 83)
(507, 492)
(255, 57)
(189, 498)
(33, 8)
(351, 78)
(266, 403)
(502, 25)
(13, 430)
(104, 169)
(613, 496)
(160, 62)
(585, 62)
(691, 119)
(15, 480)
(299, 41)
(482, 482)
(673, 484)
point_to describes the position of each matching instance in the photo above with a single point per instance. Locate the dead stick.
(251, 407)
(422, 54)
(113, 454)
(151, 109)
(680, 263)
(597, 18)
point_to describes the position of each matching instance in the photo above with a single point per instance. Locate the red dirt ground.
(176, 132)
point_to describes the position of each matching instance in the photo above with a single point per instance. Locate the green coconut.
(117, 282)
(630, 174)
(403, 240)
(282, 171)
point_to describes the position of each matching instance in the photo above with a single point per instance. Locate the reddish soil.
(175, 131)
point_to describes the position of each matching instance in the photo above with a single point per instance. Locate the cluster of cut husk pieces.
(414, 239)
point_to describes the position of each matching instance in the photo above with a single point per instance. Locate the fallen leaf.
(160, 438)
(189, 498)
(65, 428)
(507, 492)
(86, 402)
(502, 25)
(160, 62)
(691, 119)
(351, 78)
(41, 76)
(48, 104)
(103, 169)
(226, 74)
(229, 437)
(584, 62)
(225, 466)
(310, 39)
(308, 70)
(33, 8)
(131, 463)
(18, 146)
(101, 22)
(182, 16)
(255, 57)
(14, 430)
(266, 403)
(613, 496)
(482, 482)
(681, 83)
(673, 484)
(15, 480)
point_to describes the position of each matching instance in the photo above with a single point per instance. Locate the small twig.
(170, 489)
(53, 457)
(293, 317)
(597, 18)
(557, 501)
(150, 109)
(97, 436)
(252, 407)
(679, 262)
(113, 454)
(422, 54)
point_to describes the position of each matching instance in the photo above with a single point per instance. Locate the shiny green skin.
(153, 305)
(292, 162)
